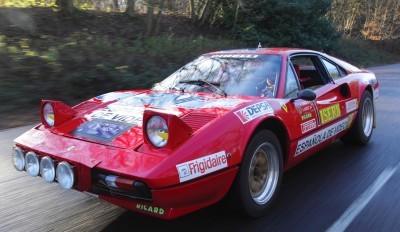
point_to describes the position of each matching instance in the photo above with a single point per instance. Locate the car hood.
(115, 118)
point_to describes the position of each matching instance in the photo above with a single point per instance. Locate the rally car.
(229, 122)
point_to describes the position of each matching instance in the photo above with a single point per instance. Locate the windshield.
(253, 75)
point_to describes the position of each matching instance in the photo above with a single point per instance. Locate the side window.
(309, 71)
(332, 69)
(291, 87)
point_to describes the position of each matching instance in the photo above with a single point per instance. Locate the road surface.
(342, 188)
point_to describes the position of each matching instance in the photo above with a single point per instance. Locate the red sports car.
(227, 122)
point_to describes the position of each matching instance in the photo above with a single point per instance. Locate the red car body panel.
(209, 136)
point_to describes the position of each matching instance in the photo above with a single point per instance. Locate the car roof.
(285, 52)
(276, 51)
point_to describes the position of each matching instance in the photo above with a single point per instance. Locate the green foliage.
(27, 3)
(291, 23)
(79, 67)
(363, 53)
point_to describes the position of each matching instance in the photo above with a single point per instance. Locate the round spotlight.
(48, 114)
(157, 131)
(47, 169)
(65, 175)
(32, 164)
(18, 159)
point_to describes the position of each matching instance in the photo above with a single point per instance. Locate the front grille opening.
(112, 185)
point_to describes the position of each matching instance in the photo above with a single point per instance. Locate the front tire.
(260, 176)
(361, 132)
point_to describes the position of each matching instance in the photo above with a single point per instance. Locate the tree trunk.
(236, 14)
(206, 12)
(153, 22)
(130, 8)
(156, 25)
(65, 6)
(192, 12)
(150, 17)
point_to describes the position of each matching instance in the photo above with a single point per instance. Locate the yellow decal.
(306, 116)
(151, 209)
(163, 135)
(351, 116)
(284, 107)
(330, 113)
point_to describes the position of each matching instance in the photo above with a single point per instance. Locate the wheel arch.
(278, 128)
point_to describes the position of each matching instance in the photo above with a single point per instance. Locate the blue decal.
(101, 130)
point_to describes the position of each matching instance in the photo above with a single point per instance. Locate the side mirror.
(305, 94)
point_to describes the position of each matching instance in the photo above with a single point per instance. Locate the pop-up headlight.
(54, 113)
(157, 131)
(163, 129)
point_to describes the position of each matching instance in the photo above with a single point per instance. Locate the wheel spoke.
(263, 173)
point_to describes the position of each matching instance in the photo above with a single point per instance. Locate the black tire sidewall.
(247, 203)
(363, 139)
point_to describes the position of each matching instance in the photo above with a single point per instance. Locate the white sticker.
(253, 111)
(315, 139)
(307, 126)
(351, 105)
(202, 166)
(115, 112)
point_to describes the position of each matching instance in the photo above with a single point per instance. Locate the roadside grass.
(365, 53)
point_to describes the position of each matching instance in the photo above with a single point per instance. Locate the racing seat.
(302, 80)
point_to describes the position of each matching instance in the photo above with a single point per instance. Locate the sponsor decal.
(317, 138)
(351, 117)
(130, 110)
(307, 108)
(283, 106)
(119, 113)
(113, 96)
(309, 125)
(299, 109)
(235, 56)
(304, 108)
(163, 100)
(330, 113)
(101, 130)
(150, 209)
(202, 166)
(306, 116)
(351, 105)
(253, 111)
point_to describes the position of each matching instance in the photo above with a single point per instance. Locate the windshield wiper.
(177, 88)
(200, 82)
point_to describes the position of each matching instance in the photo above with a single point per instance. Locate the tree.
(369, 19)
(293, 23)
(65, 6)
(153, 16)
(130, 7)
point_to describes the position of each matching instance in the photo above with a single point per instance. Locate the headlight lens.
(18, 159)
(157, 131)
(47, 169)
(65, 175)
(32, 164)
(48, 114)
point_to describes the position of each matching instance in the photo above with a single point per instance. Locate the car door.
(322, 118)
(304, 118)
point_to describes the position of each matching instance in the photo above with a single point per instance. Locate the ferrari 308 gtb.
(229, 122)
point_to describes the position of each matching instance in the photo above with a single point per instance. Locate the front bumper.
(89, 158)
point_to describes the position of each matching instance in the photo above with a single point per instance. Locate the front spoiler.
(172, 202)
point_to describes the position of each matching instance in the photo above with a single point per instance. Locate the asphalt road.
(342, 188)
